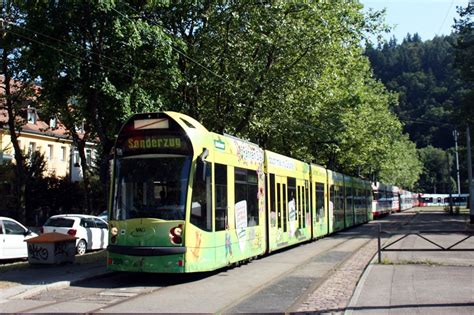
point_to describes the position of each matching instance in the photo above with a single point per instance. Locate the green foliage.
(429, 86)
(408, 168)
(465, 61)
(289, 76)
(436, 176)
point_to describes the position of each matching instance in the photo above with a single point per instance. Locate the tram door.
(282, 207)
(278, 211)
(321, 220)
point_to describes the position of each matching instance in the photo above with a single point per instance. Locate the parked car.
(12, 239)
(91, 231)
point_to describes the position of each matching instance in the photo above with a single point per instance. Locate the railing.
(419, 234)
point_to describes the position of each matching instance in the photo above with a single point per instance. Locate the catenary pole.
(456, 134)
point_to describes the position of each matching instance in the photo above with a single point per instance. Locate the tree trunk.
(20, 180)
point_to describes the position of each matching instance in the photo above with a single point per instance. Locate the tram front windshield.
(151, 186)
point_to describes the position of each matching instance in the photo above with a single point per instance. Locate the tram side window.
(306, 201)
(368, 199)
(349, 196)
(332, 199)
(221, 196)
(339, 199)
(273, 214)
(293, 206)
(300, 206)
(278, 205)
(201, 214)
(319, 201)
(360, 195)
(376, 195)
(246, 188)
(284, 208)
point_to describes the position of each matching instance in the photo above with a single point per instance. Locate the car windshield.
(60, 222)
(151, 186)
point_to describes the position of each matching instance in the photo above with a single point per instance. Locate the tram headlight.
(114, 231)
(176, 234)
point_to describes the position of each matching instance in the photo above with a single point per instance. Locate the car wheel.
(81, 247)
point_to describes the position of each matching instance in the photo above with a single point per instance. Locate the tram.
(184, 199)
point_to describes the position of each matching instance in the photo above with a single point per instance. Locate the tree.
(429, 86)
(98, 62)
(290, 77)
(465, 61)
(437, 175)
(17, 91)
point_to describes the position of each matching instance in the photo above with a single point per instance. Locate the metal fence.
(438, 247)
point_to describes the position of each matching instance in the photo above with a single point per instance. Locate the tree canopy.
(289, 76)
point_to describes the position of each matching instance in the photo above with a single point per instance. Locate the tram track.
(233, 307)
(118, 289)
(315, 284)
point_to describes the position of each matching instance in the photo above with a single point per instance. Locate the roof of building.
(40, 125)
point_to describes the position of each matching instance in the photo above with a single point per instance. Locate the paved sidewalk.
(22, 280)
(405, 283)
(420, 282)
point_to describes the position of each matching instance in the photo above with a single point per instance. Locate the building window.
(31, 148)
(50, 152)
(63, 153)
(53, 122)
(76, 158)
(89, 157)
(31, 115)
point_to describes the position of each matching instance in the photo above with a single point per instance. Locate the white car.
(91, 231)
(12, 239)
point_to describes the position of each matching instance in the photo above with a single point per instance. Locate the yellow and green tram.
(184, 199)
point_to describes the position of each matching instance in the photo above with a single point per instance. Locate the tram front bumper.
(146, 259)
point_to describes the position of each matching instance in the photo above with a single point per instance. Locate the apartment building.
(49, 137)
(44, 134)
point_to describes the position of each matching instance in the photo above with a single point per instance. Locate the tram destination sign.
(155, 142)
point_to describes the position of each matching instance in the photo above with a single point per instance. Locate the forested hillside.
(428, 83)
(427, 76)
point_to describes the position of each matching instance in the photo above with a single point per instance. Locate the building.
(46, 135)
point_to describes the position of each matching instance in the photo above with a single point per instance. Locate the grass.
(427, 262)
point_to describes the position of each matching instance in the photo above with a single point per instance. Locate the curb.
(20, 292)
(358, 290)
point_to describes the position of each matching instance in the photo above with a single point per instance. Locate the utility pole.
(469, 172)
(456, 134)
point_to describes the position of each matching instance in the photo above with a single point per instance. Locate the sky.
(425, 17)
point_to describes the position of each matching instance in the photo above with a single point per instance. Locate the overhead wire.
(445, 17)
(425, 122)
